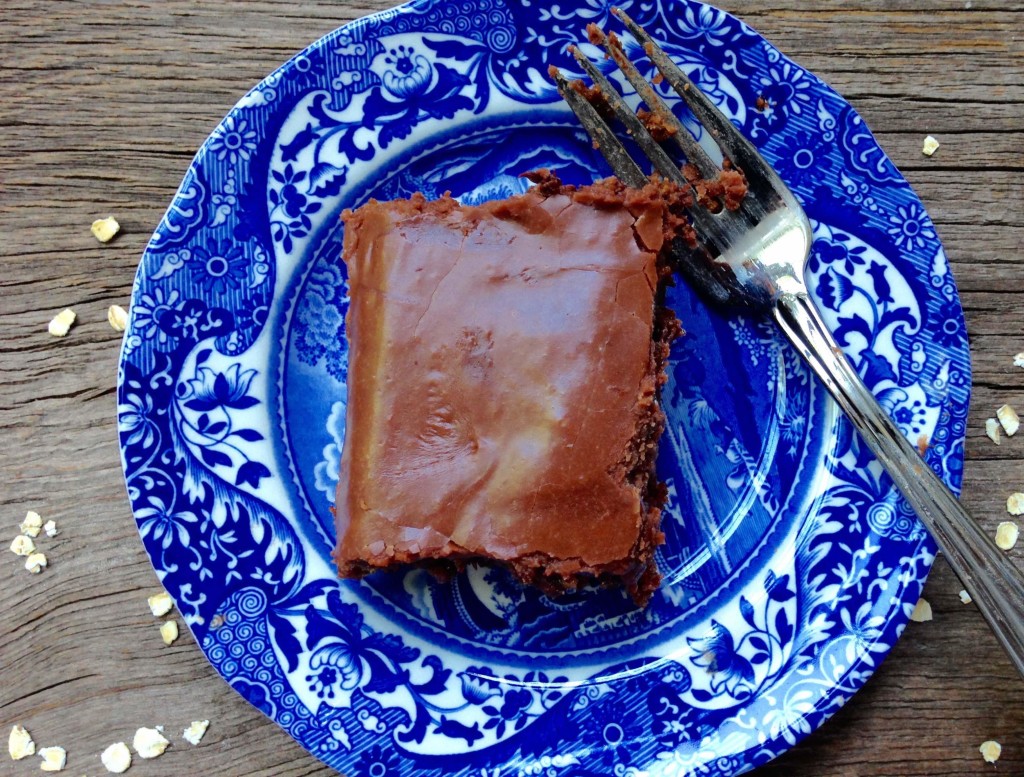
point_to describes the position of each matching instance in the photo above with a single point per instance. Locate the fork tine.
(735, 147)
(615, 153)
(611, 149)
(696, 155)
(661, 161)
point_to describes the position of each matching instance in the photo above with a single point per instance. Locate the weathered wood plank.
(104, 104)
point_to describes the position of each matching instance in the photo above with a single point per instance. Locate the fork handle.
(988, 574)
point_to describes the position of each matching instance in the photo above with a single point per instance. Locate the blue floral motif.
(253, 313)
(210, 390)
(241, 295)
(803, 158)
(136, 421)
(411, 73)
(220, 268)
(705, 24)
(785, 92)
(149, 309)
(835, 289)
(617, 737)
(866, 630)
(837, 250)
(163, 527)
(787, 88)
(212, 428)
(377, 762)
(911, 227)
(321, 319)
(233, 141)
(717, 654)
(290, 218)
(950, 332)
(346, 655)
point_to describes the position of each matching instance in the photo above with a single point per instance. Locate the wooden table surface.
(102, 105)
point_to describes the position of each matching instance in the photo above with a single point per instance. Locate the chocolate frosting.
(499, 365)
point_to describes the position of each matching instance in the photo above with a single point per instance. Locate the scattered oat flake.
(992, 429)
(965, 597)
(922, 611)
(931, 145)
(117, 758)
(169, 632)
(991, 751)
(149, 743)
(105, 229)
(1008, 418)
(195, 732)
(54, 759)
(35, 563)
(50, 527)
(161, 603)
(117, 316)
(32, 524)
(23, 546)
(1015, 504)
(20, 744)
(1006, 535)
(61, 323)
(1018, 360)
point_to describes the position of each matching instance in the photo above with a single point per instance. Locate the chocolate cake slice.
(504, 366)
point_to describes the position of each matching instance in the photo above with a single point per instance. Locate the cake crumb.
(117, 758)
(1015, 504)
(922, 611)
(169, 632)
(992, 429)
(922, 445)
(990, 751)
(195, 732)
(149, 743)
(1018, 360)
(931, 145)
(35, 563)
(965, 597)
(32, 524)
(105, 229)
(61, 323)
(117, 316)
(50, 527)
(1006, 535)
(160, 604)
(1008, 418)
(54, 759)
(20, 744)
(22, 545)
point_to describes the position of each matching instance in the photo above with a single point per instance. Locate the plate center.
(739, 414)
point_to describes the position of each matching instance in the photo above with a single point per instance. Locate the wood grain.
(102, 105)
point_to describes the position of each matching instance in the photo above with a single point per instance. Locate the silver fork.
(754, 257)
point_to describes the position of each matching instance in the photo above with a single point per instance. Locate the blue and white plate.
(791, 565)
